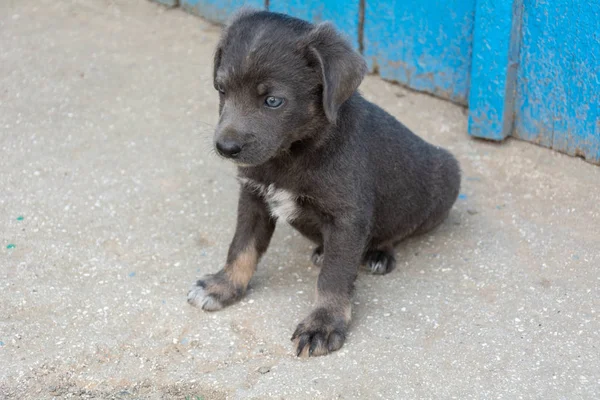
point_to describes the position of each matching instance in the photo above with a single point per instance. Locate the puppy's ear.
(342, 69)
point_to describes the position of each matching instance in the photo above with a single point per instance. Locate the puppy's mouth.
(244, 161)
(242, 164)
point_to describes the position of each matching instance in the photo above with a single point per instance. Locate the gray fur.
(361, 181)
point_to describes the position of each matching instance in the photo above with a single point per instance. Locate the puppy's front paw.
(322, 332)
(213, 292)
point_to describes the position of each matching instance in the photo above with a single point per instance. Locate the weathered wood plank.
(496, 41)
(425, 44)
(558, 85)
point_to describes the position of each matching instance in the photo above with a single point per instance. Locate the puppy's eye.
(273, 102)
(220, 88)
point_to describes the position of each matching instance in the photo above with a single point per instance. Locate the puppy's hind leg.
(318, 256)
(252, 236)
(431, 223)
(445, 189)
(380, 260)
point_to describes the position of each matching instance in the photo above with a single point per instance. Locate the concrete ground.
(112, 204)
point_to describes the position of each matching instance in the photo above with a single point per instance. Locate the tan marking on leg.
(240, 271)
(347, 309)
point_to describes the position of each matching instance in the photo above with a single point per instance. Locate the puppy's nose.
(228, 148)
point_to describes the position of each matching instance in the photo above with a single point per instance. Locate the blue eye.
(273, 102)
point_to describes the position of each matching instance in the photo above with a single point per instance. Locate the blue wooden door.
(424, 44)
(536, 74)
(558, 83)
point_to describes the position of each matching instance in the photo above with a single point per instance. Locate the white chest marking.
(282, 203)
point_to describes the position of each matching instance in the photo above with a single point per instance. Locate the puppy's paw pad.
(318, 256)
(319, 334)
(199, 297)
(380, 262)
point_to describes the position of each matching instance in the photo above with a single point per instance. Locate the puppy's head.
(280, 80)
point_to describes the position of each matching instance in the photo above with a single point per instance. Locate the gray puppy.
(311, 151)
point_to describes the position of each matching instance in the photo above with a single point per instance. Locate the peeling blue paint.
(496, 41)
(558, 85)
(535, 74)
(423, 44)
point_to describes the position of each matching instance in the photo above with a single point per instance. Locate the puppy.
(311, 151)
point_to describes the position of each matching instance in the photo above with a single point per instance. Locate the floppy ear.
(342, 69)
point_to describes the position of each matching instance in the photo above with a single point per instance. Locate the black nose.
(228, 148)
